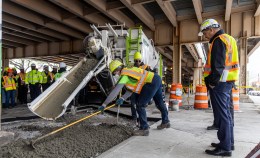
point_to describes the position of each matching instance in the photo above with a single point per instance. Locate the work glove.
(120, 101)
(101, 108)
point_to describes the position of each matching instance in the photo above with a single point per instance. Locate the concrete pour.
(52, 106)
(89, 138)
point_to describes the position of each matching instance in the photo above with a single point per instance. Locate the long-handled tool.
(64, 127)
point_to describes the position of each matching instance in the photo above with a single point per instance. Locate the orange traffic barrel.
(235, 95)
(176, 93)
(201, 97)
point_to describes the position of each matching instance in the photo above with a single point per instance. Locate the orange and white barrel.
(235, 95)
(201, 97)
(176, 93)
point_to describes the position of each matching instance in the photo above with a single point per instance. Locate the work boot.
(141, 132)
(219, 152)
(213, 127)
(164, 125)
(217, 145)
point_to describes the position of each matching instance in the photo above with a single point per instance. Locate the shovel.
(33, 142)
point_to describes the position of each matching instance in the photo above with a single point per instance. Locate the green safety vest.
(33, 77)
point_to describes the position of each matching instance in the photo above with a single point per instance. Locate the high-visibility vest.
(9, 83)
(33, 77)
(58, 75)
(231, 71)
(16, 79)
(143, 66)
(22, 77)
(45, 77)
(140, 75)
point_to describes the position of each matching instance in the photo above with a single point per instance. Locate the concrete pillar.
(176, 67)
(197, 78)
(243, 63)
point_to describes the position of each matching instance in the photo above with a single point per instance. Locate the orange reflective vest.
(9, 83)
(142, 76)
(143, 66)
(231, 71)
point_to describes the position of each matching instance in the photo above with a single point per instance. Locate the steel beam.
(17, 23)
(47, 9)
(13, 44)
(114, 5)
(198, 10)
(34, 18)
(169, 11)
(257, 13)
(192, 51)
(22, 35)
(18, 39)
(116, 15)
(228, 9)
(19, 30)
(161, 51)
(140, 12)
(76, 7)
(141, 1)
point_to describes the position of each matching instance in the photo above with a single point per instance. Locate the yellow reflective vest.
(142, 76)
(9, 83)
(45, 77)
(231, 71)
(32, 77)
(22, 77)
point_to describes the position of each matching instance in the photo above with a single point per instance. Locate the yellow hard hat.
(114, 64)
(137, 55)
(6, 69)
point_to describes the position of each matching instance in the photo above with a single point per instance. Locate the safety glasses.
(137, 61)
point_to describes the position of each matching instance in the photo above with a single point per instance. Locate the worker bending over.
(137, 63)
(147, 85)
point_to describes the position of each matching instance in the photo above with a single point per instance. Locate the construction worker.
(34, 79)
(147, 85)
(54, 69)
(220, 73)
(61, 71)
(15, 77)
(10, 88)
(3, 94)
(137, 63)
(47, 78)
(22, 87)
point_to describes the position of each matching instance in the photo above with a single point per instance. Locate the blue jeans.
(10, 95)
(220, 99)
(134, 98)
(3, 93)
(149, 91)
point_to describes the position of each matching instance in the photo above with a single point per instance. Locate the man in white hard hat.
(47, 78)
(61, 71)
(34, 79)
(220, 73)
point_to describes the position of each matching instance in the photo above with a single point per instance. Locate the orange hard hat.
(10, 70)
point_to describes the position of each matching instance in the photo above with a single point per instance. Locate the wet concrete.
(86, 139)
(52, 106)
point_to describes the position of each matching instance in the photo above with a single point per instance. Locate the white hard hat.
(209, 23)
(55, 67)
(62, 65)
(33, 64)
(45, 66)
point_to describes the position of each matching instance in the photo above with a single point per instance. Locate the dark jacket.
(218, 58)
